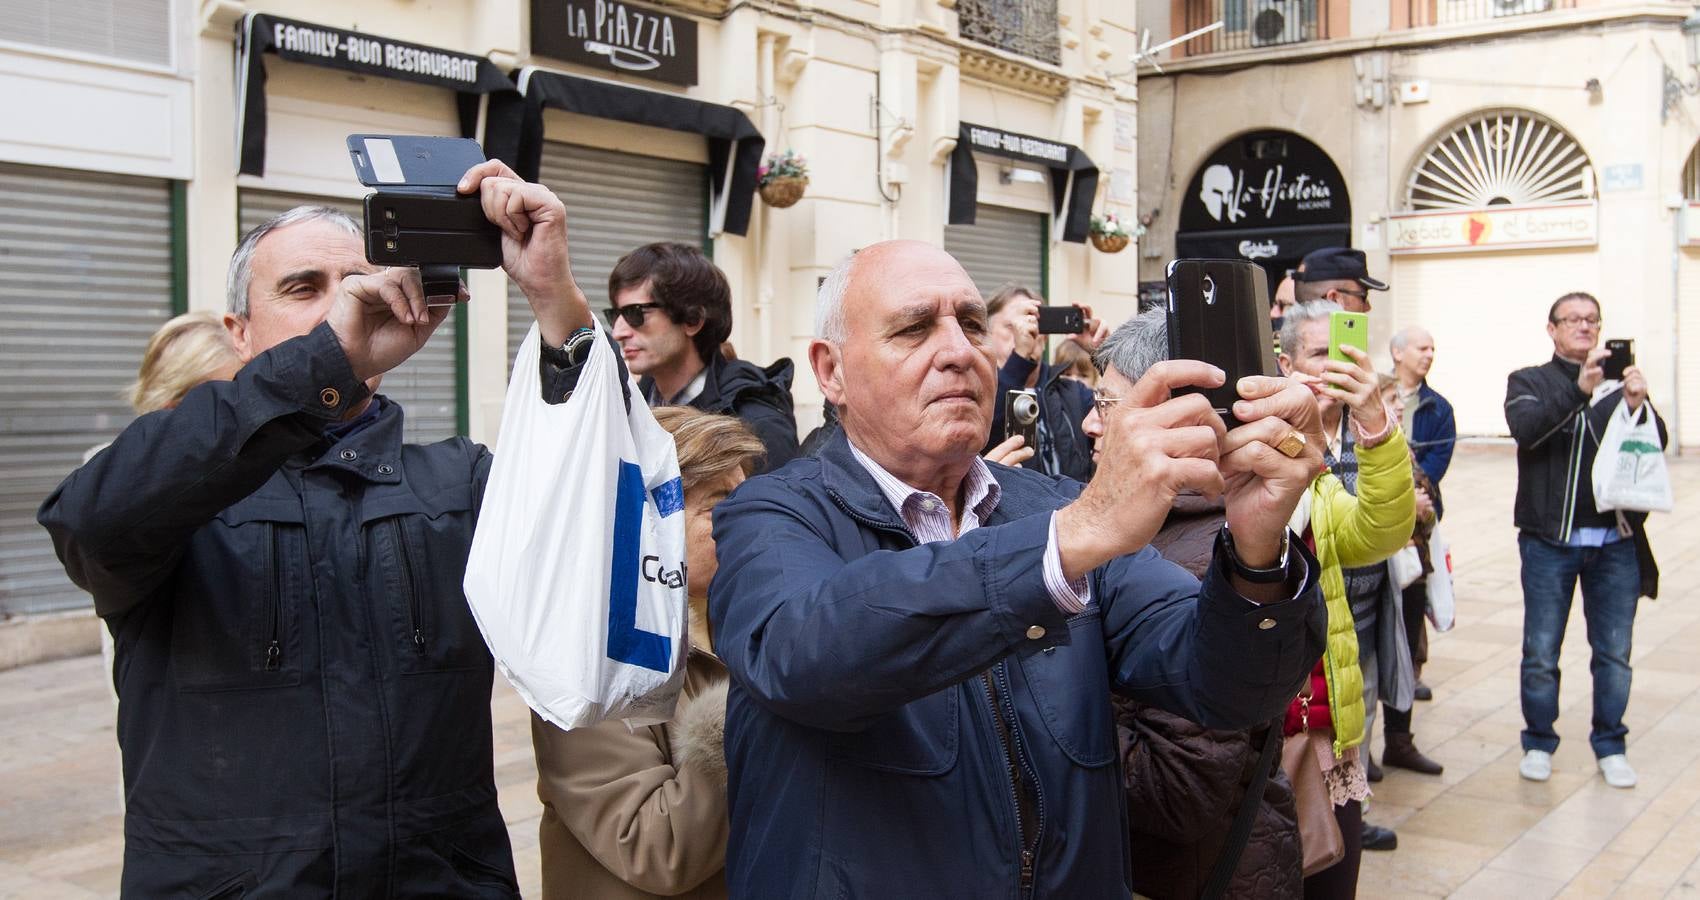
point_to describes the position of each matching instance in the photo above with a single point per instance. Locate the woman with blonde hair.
(641, 812)
(183, 354)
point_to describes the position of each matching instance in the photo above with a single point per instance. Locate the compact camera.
(1021, 416)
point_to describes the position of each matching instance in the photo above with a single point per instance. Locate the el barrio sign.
(1495, 228)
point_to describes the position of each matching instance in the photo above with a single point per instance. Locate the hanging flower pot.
(1110, 235)
(782, 179)
(1110, 243)
(783, 192)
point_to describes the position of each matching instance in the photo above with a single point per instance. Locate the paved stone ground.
(1477, 831)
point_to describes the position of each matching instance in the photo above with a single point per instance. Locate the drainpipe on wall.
(1677, 214)
(764, 254)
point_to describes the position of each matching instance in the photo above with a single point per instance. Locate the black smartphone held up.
(1061, 320)
(1621, 358)
(415, 218)
(1218, 312)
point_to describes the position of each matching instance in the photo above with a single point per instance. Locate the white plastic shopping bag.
(1406, 566)
(1630, 472)
(577, 569)
(1442, 605)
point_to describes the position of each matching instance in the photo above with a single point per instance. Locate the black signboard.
(351, 51)
(617, 36)
(1074, 179)
(1275, 249)
(1265, 179)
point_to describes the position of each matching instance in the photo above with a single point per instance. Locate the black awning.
(351, 51)
(513, 132)
(1074, 178)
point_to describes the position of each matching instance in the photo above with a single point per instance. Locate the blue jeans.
(1611, 588)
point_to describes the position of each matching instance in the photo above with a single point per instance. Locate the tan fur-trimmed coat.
(631, 813)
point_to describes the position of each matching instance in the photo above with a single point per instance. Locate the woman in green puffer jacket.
(1346, 530)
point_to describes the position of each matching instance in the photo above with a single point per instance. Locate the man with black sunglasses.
(1339, 275)
(672, 309)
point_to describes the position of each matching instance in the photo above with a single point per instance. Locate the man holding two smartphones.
(1557, 413)
(304, 694)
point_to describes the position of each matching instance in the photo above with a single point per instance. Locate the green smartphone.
(1347, 329)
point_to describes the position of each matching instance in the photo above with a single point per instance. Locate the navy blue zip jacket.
(1434, 432)
(883, 693)
(304, 694)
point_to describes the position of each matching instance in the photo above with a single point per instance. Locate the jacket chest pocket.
(250, 637)
(917, 739)
(417, 548)
(1059, 677)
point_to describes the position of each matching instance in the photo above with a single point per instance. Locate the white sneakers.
(1617, 771)
(1536, 766)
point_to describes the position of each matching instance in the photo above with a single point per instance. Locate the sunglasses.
(633, 313)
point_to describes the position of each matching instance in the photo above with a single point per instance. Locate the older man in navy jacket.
(922, 645)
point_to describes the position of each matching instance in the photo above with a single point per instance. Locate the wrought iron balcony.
(1424, 13)
(1247, 24)
(1025, 27)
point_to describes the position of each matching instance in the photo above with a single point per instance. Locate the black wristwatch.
(574, 352)
(1273, 575)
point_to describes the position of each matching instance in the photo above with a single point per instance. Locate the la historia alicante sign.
(1495, 228)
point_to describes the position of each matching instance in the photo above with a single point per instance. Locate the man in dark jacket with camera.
(1062, 403)
(671, 310)
(304, 696)
(922, 645)
(1558, 413)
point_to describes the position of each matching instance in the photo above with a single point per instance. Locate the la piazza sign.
(1495, 228)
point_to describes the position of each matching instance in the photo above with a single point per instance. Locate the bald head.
(1412, 349)
(902, 356)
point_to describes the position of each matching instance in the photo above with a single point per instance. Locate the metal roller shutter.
(1002, 246)
(425, 384)
(86, 281)
(1478, 343)
(615, 203)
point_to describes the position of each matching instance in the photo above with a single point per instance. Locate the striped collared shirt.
(927, 517)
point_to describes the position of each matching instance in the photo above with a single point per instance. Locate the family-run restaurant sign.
(1262, 196)
(618, 37)
(351, 51)
(1495, 228)
(1074, 179)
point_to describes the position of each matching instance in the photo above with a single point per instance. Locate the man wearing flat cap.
(1338, 274)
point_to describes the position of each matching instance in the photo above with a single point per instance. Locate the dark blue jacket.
(1063, 405)
(304, 694)
(865, 756)
(1434, 432)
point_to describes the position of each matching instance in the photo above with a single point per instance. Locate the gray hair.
(241, 272)
(1402, 337)
(829, 302)
(1298, 317)
(1137, 344)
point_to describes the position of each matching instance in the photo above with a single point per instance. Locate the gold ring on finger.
(1292, 445)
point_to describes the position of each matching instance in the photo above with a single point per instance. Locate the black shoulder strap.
(1229, 859)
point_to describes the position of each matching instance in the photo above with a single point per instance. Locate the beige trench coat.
(638, 812)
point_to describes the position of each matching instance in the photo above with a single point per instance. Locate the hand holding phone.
(416, 217)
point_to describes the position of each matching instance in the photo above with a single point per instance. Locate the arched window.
(1503, 157)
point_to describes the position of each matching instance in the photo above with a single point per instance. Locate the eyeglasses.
(1578, 321)
(1104, 402)
(633, 313)
(1358, 294)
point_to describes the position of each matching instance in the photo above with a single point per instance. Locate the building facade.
(1488, 155)
(139, 146)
